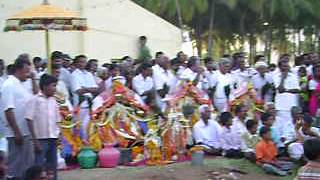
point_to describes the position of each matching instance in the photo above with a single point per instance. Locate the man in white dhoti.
(84, 88)
(223, 86)
(287, 87)
(164, 81)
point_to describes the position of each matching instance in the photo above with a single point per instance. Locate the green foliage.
(237, 20)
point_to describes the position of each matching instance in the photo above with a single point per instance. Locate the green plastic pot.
(87, 158)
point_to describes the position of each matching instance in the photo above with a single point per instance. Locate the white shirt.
(44, 112)
(309, 70)
(258, 82)
(161, 77)
(238, 126)
(156, 68)
(141, 84)
(38, 74)
(3, 78)
(211, 77)
(109, 81)
(220, 81)
(180, 70)
(28, 85)
(313, 84)
(190, 75)
(65, 76)
(230, 139)
(243, 76)
(16, 97)
(81, 79)
(62, 90)
(207, 134)
(284, 101)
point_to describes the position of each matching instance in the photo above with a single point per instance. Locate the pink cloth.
(313, 103)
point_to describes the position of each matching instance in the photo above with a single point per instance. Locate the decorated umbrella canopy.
(46, 17)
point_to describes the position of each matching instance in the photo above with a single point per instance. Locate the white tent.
(114, 28)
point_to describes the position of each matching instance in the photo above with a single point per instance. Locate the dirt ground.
(179, 171)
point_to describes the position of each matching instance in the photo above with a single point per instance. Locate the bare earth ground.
(178, 171)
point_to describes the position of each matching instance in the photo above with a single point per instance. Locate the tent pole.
(48, 50)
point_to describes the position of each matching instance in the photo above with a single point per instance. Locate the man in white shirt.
(156, 65)
(164, 82)
(207, 131)
(38, 71)
(223, 86)
(84, 89)
(243, 74)
(3, 77)
(239, 121)
(194, 73)
(287, 88)
(65, 74)
(115, 74)
(14, 99)
(143, 83)
(262, 82)
(62, 94)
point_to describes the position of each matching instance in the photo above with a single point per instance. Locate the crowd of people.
(285, 132)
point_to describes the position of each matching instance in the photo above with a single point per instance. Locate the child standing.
(43, 116)
(266, 155)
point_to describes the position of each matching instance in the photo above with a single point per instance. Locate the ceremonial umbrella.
(46, 17)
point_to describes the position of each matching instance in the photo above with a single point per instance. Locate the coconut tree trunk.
(198, 38)
(178, 7)
(299, 42)
(252, 44)
(294, 41)
(210, 37)
(242, 29)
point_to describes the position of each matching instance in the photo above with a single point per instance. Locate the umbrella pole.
(47, 37)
